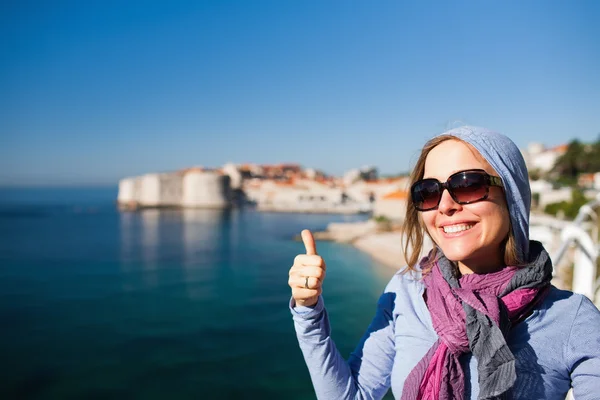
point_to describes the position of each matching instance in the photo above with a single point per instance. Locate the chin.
(456, 252)
(457, 256)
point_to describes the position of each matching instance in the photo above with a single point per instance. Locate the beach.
(384, 247)
(380, 241)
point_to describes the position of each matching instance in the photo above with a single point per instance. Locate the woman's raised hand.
(307, 273)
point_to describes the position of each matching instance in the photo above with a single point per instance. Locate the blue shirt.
(556, 347)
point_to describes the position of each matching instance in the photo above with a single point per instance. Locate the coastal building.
(391, 205)
(206, 189)
(540, 186)
(369, 173)
(310, 173)
(298, 196)
(129, 192)
(589, 181)
(366, 173)
(554, 196)
(281, 171)
(351, 177)
(249, 171)
(235, 175)
(301, 195)
(194, 188)
(160, 190)
(542, 159)
(370, 191)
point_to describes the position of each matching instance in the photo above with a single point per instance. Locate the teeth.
(457, 228)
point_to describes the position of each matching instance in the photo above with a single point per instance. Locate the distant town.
(289, 187)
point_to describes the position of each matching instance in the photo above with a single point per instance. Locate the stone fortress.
(193, 188)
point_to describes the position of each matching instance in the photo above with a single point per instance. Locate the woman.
(477, 318)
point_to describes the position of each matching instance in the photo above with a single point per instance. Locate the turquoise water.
(97, 303)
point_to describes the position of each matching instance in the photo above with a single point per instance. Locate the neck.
(467, 268)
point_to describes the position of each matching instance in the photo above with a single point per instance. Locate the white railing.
(586, 250)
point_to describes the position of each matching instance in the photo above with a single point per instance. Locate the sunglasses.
(464, 187)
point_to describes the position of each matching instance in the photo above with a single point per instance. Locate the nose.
(447, 204)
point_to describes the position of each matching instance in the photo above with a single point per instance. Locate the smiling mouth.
(457, 228)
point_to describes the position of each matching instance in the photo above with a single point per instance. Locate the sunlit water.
(173, 304)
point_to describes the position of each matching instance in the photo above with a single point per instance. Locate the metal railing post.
(586, 252)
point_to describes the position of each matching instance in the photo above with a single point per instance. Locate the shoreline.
(387, 249)
(383, 243)
(383, 247)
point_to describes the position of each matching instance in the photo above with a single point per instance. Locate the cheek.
(428, 220)
(497, 218)
(504, 216)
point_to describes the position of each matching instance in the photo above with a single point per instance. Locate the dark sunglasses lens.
(426, 194)
(468, 187)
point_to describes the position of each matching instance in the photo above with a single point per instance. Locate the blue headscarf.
(506, 159)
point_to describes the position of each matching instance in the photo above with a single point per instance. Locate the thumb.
(309, 242)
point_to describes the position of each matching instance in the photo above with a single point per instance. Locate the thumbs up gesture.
(307, 273)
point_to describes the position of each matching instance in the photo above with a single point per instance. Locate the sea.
(162, 304)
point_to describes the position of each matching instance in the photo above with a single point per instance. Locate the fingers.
(304, 271)
(304, 282)
(303, 260)
(309, 242)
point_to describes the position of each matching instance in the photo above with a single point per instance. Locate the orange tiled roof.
(191, 169)
(382, 181)
(561, 148)
(288, 182)
(396, 195)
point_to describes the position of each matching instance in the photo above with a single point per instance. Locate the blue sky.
(93, 91)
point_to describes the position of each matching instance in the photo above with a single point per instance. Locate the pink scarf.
(472, 314)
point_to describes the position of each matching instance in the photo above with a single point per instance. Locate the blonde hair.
(414, 229)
